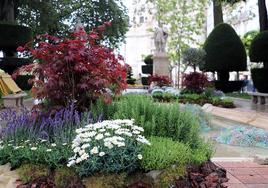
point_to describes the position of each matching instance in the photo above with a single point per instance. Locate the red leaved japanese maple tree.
(74, 69)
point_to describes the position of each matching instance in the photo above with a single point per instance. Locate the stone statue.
(78, 25)
(7, 10)
(160, 39)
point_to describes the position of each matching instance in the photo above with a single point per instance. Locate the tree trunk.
(7, 10)
(263, 15)
(217, 12)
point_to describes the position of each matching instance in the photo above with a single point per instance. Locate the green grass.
(239, 95)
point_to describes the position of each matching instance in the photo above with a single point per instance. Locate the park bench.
(14, 100)
(256, 96)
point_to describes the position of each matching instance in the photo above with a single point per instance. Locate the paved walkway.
(245, 174)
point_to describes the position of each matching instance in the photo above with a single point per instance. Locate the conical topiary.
(258, 49)
(225, 53)
(225, 50)
(258, 53)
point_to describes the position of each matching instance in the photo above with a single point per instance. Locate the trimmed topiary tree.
(147, 69)
(11, 37)
(225, 53)
(258, 53)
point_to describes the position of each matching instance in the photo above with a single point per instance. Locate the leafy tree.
(194, 57)
(56, 16)
(248, 37)
(185, 20)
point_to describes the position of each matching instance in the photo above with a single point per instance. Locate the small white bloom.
(43, 140)
(33, 148)
(140, 157)
(26, 141)
(101, 154)
(85, 146)
(71, 163)
(77, 149)
(95, 150)
(99, 137)
(107, 134)
(49, 150)
(102, 130)
(53, 145)
(78, 160)
(64, 144)
(81, 152)
(85, 156)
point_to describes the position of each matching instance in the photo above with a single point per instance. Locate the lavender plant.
(55, 127)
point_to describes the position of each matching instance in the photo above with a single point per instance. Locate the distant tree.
(194, 57)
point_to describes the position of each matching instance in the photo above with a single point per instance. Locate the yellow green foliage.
(64, 176)
(169, 175)
(29, 172)
(105, 181)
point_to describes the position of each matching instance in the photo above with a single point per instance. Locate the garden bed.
(199, 99)
(63, 142)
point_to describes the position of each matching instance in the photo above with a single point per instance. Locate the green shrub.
(164, 120)
(108, 147)
(148, 60)
(29, 172)
(225, 50)
(37, 152)
(164, 152)
(258, 48)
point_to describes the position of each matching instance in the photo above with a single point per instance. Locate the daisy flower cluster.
(102, 138)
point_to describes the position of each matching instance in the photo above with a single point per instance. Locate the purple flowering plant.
(55, 127)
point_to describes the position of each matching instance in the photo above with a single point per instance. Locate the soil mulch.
(48, 182)
(207, 175)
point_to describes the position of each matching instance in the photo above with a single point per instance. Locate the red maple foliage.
(159, 80)
(74, 69)
(195, 82)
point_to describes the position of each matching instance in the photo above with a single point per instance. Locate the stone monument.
(161, 61)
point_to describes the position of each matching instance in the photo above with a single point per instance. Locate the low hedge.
(13, 36)
(228, 86)
(199, 99)
(260, 77)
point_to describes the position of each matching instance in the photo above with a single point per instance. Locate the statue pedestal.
(161, 64)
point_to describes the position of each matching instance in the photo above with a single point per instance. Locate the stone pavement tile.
(242, 171)
(232, 179)
(236, 185)
(239, 165)
(252, 179)
(257, 185)
(261, 171)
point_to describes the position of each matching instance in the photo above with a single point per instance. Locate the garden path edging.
(239, 115)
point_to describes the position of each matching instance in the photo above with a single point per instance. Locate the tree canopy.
(57, 17)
